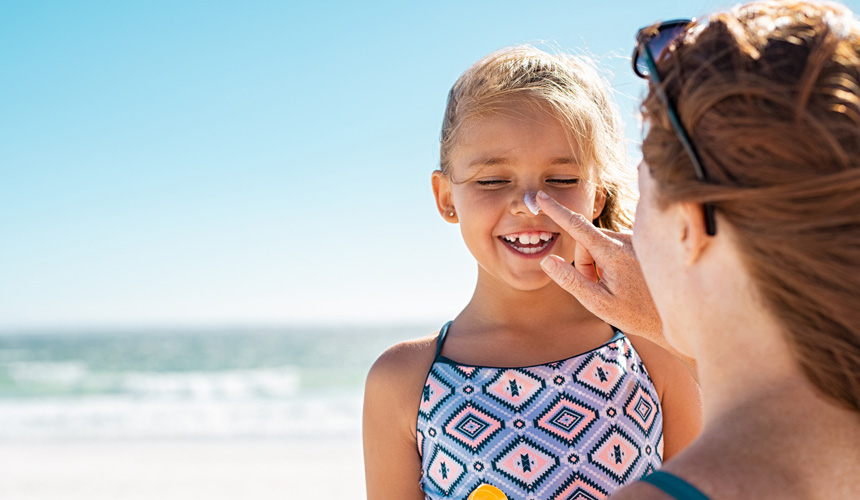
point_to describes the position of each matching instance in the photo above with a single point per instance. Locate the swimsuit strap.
(443, 333)
(674, 486)
(440, 340)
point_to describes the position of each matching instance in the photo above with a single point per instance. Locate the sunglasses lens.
(658, 43)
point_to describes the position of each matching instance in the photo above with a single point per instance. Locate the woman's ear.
(444, 197)
(695, 237)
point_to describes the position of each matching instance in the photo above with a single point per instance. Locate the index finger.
(580, 228)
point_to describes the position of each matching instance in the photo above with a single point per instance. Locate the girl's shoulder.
(390, 418)
(405, 357)
(659, 362)
(399, 373)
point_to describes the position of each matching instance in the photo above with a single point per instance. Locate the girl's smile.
(530, 244)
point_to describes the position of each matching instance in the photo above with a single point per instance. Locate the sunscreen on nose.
(531, 202)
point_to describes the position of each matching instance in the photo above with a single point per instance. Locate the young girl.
(525, 390)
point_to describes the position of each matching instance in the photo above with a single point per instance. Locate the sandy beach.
(168, 470)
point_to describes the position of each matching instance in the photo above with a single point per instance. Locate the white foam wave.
(62, 373)
(75, 377)
(231, 385)
(127, 417)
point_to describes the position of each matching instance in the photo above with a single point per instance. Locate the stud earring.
(451, 214)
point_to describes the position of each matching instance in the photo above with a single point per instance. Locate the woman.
(748, 234)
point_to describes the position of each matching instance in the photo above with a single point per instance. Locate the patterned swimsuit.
(572, 429)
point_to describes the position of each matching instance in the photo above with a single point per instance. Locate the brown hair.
(770, 95)
(567, 87)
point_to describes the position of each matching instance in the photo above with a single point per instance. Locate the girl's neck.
(505, 327)
(497, 306)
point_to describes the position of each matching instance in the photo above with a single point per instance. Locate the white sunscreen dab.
(531, 202)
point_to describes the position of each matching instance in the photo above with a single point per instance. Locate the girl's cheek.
(572, 198)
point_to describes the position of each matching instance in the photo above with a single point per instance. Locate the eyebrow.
(564, 160)
(500, 160)
(487, 161)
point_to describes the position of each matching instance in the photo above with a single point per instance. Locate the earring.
(451, 214)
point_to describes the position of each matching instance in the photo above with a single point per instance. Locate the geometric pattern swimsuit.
(578, 428)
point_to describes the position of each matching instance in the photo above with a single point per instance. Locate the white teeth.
(531, 250)
(529, 239)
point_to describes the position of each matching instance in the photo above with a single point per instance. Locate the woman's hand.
(606, 277)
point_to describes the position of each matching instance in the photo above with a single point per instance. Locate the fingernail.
(548, 264)
(542, 195)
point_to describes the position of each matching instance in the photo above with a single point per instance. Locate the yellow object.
(487, 492)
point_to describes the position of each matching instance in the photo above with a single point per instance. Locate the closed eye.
(491, 182)
(563, 182)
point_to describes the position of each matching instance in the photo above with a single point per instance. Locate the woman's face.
(658, 247)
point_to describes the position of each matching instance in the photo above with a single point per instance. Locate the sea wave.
(75, 378)
(228, 383)
(130, 417)
(66, 400)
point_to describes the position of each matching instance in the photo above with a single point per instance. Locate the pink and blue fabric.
(578, 428)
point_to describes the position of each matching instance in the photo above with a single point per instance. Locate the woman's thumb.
(569, 278)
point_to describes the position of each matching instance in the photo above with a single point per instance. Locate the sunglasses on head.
(652, 44)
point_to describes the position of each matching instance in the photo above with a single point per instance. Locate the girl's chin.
(531, 283)
(521, 276)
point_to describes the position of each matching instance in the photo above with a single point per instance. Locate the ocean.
(216, 384)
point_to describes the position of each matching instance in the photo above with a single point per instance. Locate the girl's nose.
(525, 203)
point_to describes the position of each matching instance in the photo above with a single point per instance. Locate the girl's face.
(498, 159)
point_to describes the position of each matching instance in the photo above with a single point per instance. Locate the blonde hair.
(770, 94)
(567, 87)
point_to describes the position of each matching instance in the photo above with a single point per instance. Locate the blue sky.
(227, 163)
